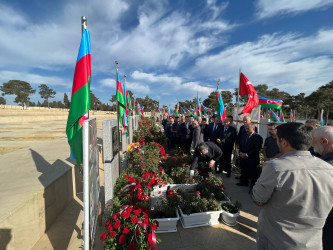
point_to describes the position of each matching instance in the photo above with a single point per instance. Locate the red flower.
(117, 224)
(122, 239)
(103, 237)
(198, 192)
(134, 219)
(154, 226)
(126, 230)
(222, 185)
(146, 222)
(161, 169)
(137, 232)
(113, 234)
(137, 211)
(149, 185)
(115, 216)
(150, 238)
(132, 246)
(129, 209)
(107, 223)
(110, 227)
(125, 215)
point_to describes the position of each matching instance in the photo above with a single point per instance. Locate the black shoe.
(228, 175)
(241, 184)
(238, 177)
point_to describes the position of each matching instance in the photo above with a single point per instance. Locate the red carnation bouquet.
(131, 228)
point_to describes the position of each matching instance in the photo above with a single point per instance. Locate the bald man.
(322, 142)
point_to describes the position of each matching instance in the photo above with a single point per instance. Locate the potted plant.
(196, 211)
(212, 185)
(230, 213)
(164, 210)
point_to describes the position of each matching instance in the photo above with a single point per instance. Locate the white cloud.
(172, 86)
(289, 62)
(269, 8)
(34, 79)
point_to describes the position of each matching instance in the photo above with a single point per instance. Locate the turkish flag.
(246, 88)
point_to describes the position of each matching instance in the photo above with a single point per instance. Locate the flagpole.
(85, 226)
(197, 105)
(118, 135)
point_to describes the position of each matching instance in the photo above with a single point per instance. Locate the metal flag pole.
(197, 105)
(86, 238)
(119, 133)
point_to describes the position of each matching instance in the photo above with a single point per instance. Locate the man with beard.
(271, 149)
(295, 193)
(322, 142)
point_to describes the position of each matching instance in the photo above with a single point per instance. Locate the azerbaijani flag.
(80, 100)
(270, 103)
(177, 108)
(272, 116)
(169, 111)
(188, 111)
(205, 108)
(322, 117)
(199, 107)
(121, 103)
(134, 107)
(219, 104)
(291, 116)
(126, 98)
(141, 116)
(282, 117)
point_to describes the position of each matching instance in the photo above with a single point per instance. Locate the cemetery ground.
(33, 146)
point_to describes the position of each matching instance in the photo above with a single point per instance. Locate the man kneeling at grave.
(204, 158)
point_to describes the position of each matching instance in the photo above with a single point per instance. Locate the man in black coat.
(226, 141)
(241, 138)
(204, 158)
(250, 155)
(204, 127)
(185, 134)
(213, 130)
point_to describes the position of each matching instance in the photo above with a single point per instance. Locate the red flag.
(246, 88)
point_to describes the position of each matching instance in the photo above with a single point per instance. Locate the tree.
(2, 101)
(46, 93)
(148, 104)
(21, 89)
(94, 101)
(66, 101)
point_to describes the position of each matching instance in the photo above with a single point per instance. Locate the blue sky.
(169, 50)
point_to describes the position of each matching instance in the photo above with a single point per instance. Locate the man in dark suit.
(250, 156)
(226, 141)
(185, 134)
(197, 136)
(241, 138)
(204, 127)
(204, 158)
(213, 130)
(164, 121)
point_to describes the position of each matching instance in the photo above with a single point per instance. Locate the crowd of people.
(295, 187)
